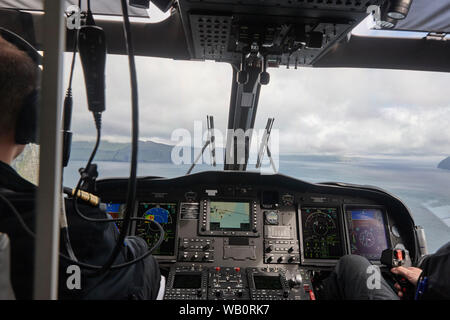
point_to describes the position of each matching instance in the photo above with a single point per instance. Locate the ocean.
(417, 181)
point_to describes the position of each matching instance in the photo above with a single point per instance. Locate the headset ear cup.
(27, 120)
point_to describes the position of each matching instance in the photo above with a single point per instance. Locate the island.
(444, 164)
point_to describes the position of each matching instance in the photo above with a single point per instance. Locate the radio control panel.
(196, 250)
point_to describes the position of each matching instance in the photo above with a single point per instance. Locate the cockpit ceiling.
(424, 15)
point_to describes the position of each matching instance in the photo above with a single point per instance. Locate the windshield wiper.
(265, 145)
(210, 141)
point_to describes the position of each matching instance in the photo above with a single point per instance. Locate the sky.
(317, 111)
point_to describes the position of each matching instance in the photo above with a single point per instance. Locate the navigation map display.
(166, 215)
(367, 232)
(321, 233)
(229, 216)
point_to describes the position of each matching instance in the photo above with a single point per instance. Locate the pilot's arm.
(432, 279)
(93, 243)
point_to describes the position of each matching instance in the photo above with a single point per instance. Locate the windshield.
(173, 96)
(383, 128)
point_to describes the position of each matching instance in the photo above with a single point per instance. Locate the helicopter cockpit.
(237, 233)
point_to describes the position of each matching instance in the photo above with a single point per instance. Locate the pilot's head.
(18, 79)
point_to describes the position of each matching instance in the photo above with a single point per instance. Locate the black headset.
(26, 130)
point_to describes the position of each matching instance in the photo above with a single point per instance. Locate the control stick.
(393, 258)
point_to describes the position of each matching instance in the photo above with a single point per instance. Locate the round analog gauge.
(271, 217)
(320, 223)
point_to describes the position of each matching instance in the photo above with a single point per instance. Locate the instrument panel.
(262, 239)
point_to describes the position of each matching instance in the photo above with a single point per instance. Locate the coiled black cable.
(67, 136)
(132, 182)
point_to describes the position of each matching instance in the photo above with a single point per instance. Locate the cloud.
(338, 111)
(172, 94)
(356, 111)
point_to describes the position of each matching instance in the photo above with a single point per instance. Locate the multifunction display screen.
(267, 282)
(187, 281)
(367, 232)
(116, 211)
(229, 216)
(166, 215)
(321, 233)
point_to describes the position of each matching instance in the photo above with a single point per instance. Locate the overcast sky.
(318, 111)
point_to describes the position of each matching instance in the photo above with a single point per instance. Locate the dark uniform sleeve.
(436, 268)
(93, 243)
(146, 287)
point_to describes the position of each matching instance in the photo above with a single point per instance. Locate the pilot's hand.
(411, 274)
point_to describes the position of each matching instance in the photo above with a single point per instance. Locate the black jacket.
(436, 268)
(92, 243)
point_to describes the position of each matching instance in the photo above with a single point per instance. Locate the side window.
(27, 163)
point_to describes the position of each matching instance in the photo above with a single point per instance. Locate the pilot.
(353, 279)
(92, 242)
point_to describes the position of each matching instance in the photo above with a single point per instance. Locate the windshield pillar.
(241, 118)
(49, 190)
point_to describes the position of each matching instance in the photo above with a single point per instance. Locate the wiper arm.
(209, 142)
(265, 145)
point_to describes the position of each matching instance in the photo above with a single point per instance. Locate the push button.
(399, 255)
